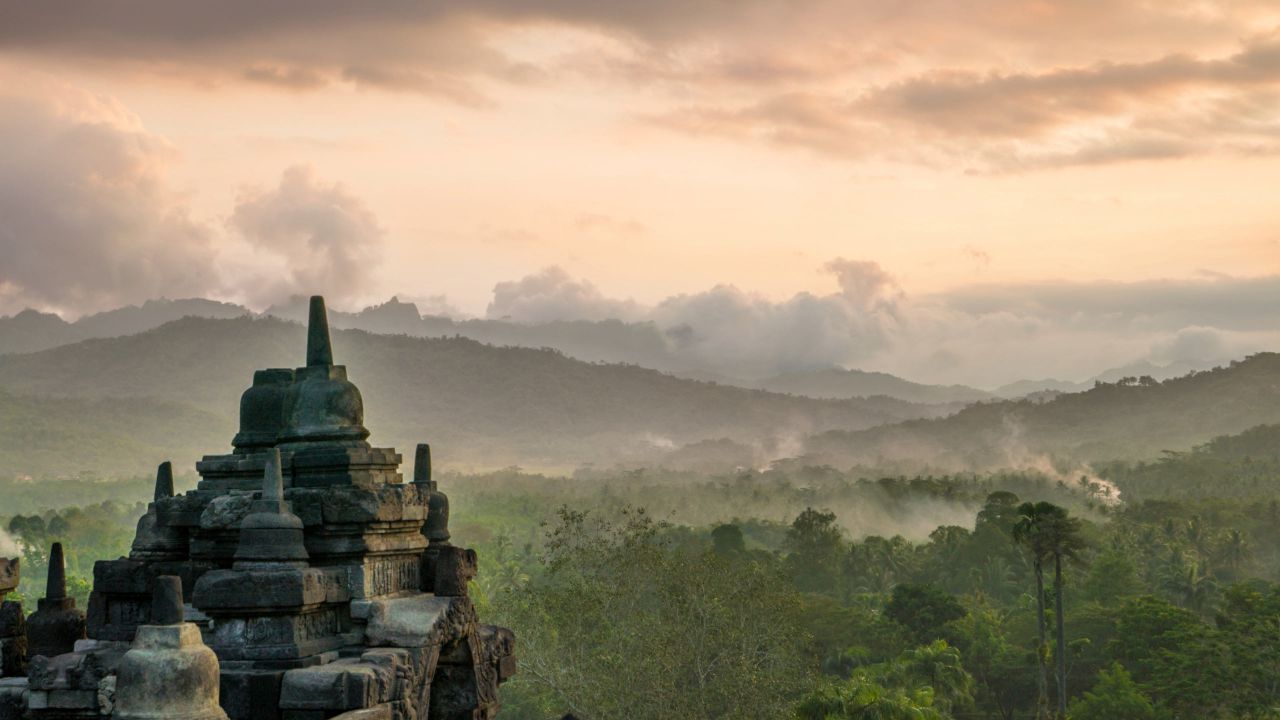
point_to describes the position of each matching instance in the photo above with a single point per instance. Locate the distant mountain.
(1138, 369)
(32, 331)
(609, 341)
(1130, 421)
(839, 383)
(1022, 388)
(120, 405)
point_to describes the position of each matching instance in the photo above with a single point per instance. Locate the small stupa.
(57, 623)
(168, 673)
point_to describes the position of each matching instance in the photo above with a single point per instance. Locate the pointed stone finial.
(422, 465)
(273, 477)
(164, 481)
(166, 601)
(56, 586)
(319, 348)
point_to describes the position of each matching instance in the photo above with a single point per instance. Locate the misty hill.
(1138, 369)
(840, 383)
(594, 341)
(1116, 421)
(1245, 466)
(32, 331)
(481, 406)
(609, 341)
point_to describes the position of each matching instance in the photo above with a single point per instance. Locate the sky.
(905, 185)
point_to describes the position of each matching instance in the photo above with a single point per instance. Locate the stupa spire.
(319, 347)
(56, 586)
(164, 481)
(422, 464)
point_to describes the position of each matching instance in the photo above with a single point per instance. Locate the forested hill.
(121, 401)
(1130, 419)
(841, 383)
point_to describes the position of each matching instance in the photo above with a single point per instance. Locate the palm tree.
(1049, 533)
(1234, 553)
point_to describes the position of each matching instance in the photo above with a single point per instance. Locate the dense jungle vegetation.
(1142, 590)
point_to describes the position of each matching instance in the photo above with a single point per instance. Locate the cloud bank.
(996, 85)
(321, 236)
(86, 218)
(89, 220)
(982, 335)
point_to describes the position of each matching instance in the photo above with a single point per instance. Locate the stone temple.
(302, 579)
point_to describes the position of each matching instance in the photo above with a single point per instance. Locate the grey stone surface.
(168, 673)
(452, 569)
(166, 601)
(416, 621)
(13, 698)
(251, 694)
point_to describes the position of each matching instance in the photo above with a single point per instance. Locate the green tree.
(814, 543)
(727, 540)
(924, 683)
(1112, 576)
(1114, 697)
(618, 622)
(924, 610)
(862, 698)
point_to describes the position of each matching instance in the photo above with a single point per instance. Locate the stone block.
(55, 627)
(10, 574)
(251, 694)
(13, 640)
(342, 685)
(454, 568)
(221, 591)
(384, 575)
(290, 640)
(73, 700)
(13, 698)
(121, 597)
(226, 511)
(412, 622)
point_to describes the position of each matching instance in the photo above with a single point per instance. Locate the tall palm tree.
(1049, 533)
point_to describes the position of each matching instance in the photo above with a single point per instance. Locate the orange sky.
(653, 148)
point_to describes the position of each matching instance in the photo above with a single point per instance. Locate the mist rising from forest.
(8, 546)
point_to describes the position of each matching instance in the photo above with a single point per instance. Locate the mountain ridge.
(481, 405)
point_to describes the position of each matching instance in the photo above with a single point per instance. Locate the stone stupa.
(324, 584)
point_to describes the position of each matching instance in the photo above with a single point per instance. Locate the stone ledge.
(418, 620)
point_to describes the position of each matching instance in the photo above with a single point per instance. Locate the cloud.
(726, 330)
(1243, 304)
(87, 219)
(985, 335)
(1193, 345)
(321, 237)
(1173, 106)
(552, 294)
(990, 85)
